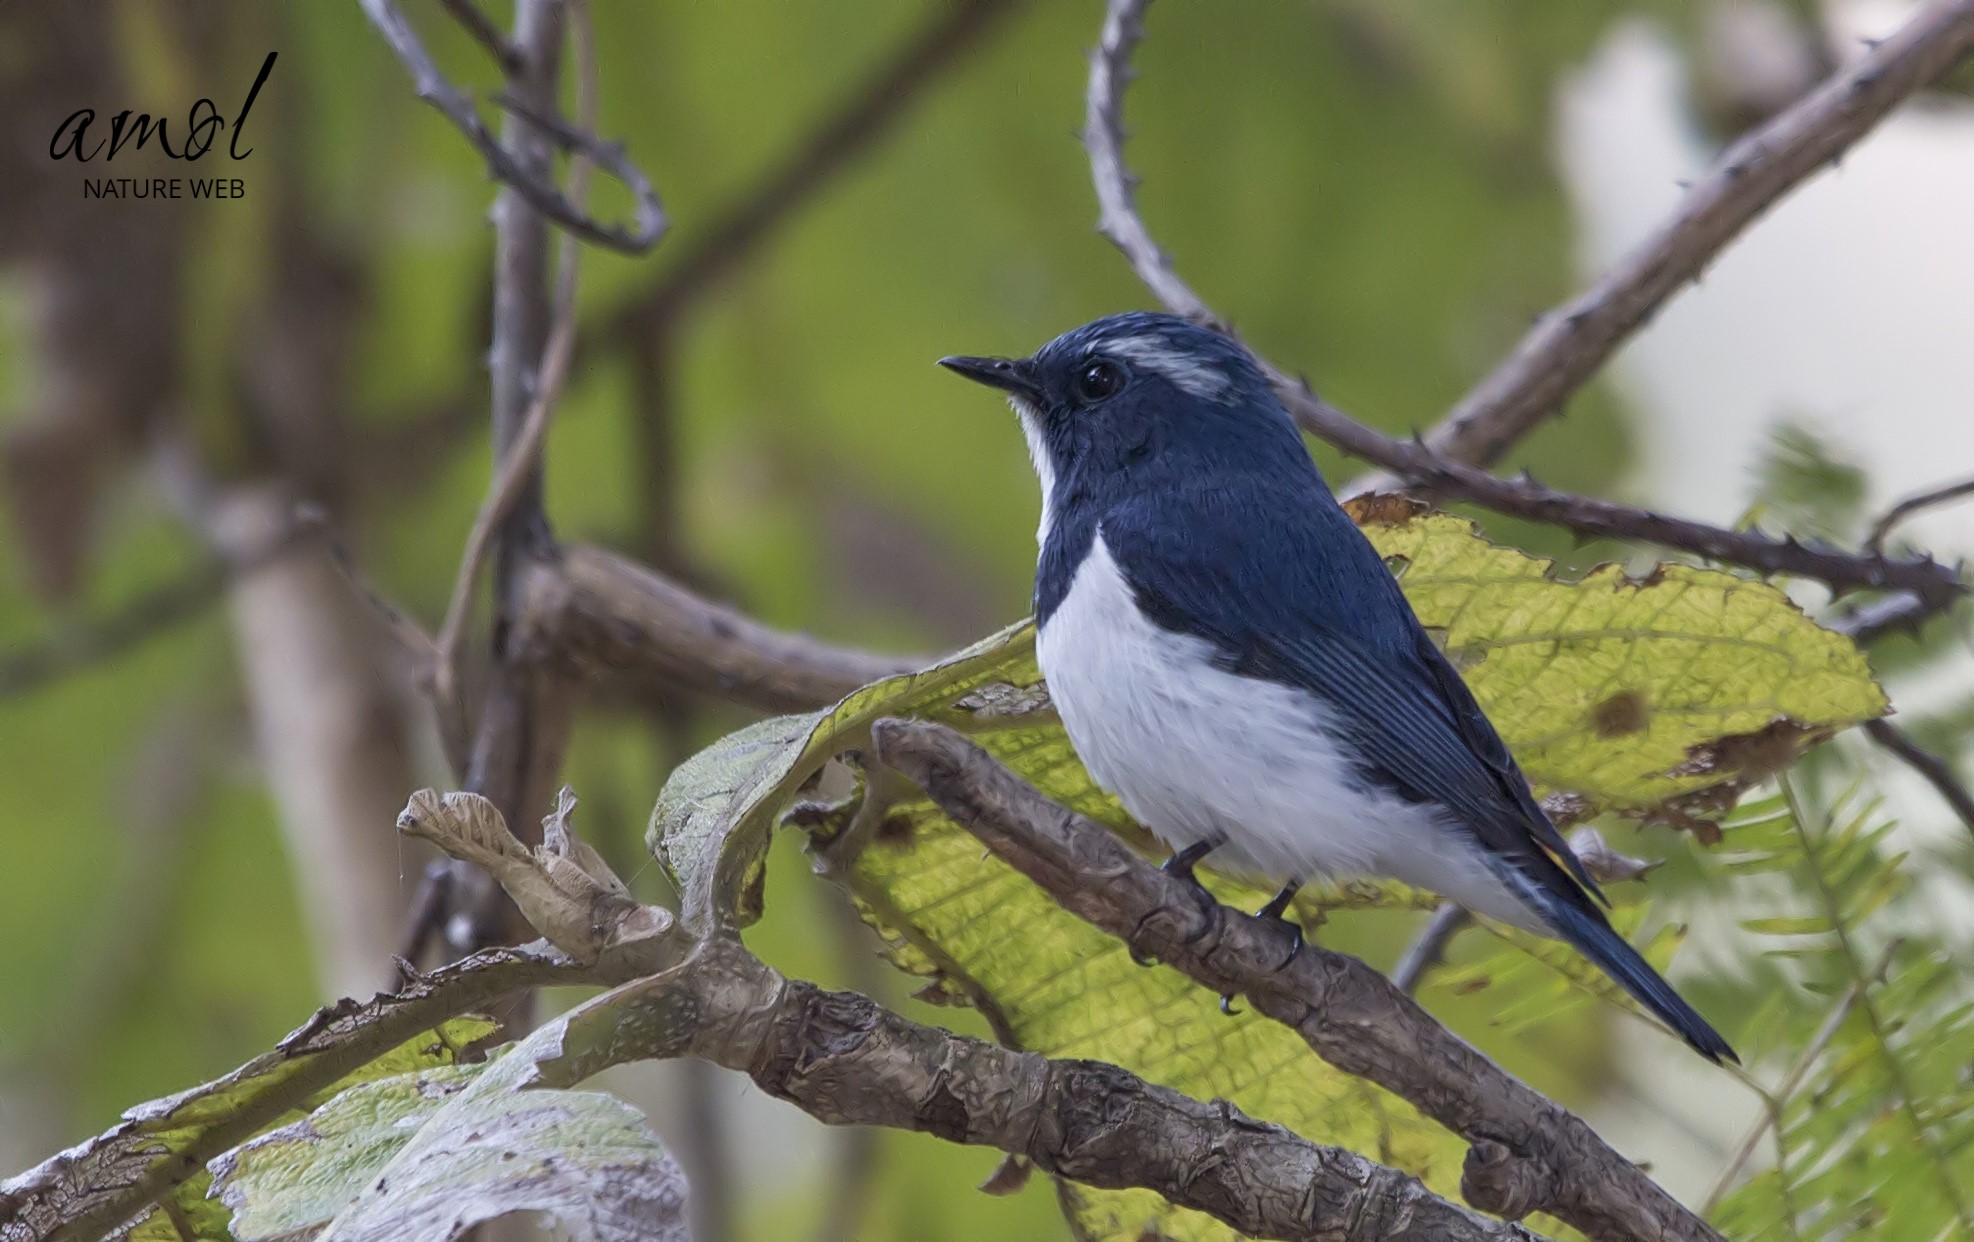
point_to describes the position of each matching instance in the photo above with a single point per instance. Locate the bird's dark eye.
(1098, 379)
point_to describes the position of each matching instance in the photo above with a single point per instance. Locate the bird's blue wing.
(1310, 604)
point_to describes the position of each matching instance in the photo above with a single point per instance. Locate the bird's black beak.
(1015, 376)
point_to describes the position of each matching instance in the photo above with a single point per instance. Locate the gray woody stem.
(1527, 1154)
(85, 1192)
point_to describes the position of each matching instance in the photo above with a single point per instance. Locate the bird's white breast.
(1191, 749)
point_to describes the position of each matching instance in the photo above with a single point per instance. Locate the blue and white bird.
(1233, 660)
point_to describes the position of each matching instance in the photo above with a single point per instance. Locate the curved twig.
(1883, 527)
(1937, 771)
(433, 88)
(1906, 60)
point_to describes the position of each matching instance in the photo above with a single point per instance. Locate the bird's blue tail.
(1597, 940)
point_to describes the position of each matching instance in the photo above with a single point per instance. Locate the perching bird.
(1234, 661)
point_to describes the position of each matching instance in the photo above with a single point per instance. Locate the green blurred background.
(1365, 186)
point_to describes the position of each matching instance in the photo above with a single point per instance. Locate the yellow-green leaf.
(710, 826)
(1659, 697)
(164, 1128)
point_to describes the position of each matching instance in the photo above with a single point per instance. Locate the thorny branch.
(1935, 769)
(1526, 1155)
(532, 183)
(1897, 66)
(1568, 345)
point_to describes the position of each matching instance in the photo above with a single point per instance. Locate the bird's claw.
(1227, 1005)
(1295, 947)
(1275, 912)
(1181, 865)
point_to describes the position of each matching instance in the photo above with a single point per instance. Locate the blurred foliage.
(1875, 1139)
(1806, 488)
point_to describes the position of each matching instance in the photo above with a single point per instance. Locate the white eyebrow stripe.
(1185, 372)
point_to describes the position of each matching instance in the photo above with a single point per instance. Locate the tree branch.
(1430, 948)
(530, 178)
(528, 711)
(601, 611)
(1569, 344)
(1930, 41)
(1935, 585)
(1527, 1154)
(1937, 771)
(1883, 527)
(846, 1061)
(474, 21)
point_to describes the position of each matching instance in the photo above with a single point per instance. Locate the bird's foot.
(1183, 861)
(1276, 911)
(1181, 864)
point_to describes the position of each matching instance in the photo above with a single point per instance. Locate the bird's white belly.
(1192, 750)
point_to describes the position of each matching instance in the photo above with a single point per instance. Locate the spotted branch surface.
(1527, 1154)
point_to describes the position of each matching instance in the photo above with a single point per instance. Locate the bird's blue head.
(1136, 401)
